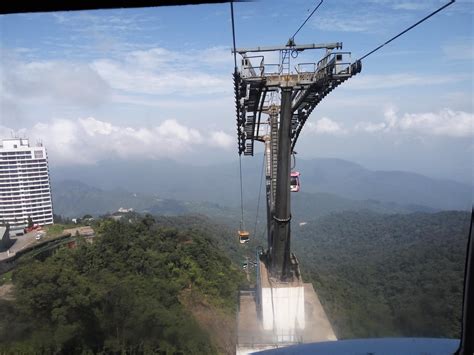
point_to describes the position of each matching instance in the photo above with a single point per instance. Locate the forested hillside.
(141, 287)
(377, 274)
(164, 284)
(75, 199)
(387, 275)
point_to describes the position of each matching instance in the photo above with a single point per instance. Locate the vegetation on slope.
(154, 285)
(387, 275)
(121, 294)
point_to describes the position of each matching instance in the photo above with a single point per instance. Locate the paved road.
(22, 242)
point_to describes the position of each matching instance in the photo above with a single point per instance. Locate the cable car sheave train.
(294, 187)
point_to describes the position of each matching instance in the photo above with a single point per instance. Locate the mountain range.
(75, 199)
(143, 184)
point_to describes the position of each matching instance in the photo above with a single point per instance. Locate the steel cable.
(311, 14)
(408, 29)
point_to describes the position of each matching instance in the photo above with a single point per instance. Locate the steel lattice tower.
(287, 96)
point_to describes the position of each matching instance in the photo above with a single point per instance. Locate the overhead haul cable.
(311, 14)
(408, 29)
(233, 34)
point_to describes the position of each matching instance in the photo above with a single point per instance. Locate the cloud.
(447, 122)
(171, 129)
(89, 140)
(222, 139)
(64, 140)
(390, 81)
(159, 71)
(370, 127)
(406, 5)
(325, 126)
(359, 23)
(444, 123)
(459, 50)
(360, 16)
(155, 71)
(55, 81)
(146, 75)
(219, 55)
(410, 5)
(89, 22)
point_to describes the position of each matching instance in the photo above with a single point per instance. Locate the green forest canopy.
(376, 275)
(387, 275)
(121, 293)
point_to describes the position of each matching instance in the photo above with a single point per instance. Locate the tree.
(30, 222)
(121, 294)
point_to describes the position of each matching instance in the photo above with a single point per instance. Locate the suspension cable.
(408, 29)
(242, 224)
(233, 34)
(311, 14)
(259, 194)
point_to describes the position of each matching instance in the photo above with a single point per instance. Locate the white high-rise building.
(24, 184)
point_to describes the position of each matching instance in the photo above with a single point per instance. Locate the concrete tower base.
(279, 314)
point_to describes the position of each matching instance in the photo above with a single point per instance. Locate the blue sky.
(156, 83)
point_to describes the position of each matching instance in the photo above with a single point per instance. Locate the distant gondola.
(243, 236)
(295, 182)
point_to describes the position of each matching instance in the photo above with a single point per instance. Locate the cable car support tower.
(257, 86)
(273, 102)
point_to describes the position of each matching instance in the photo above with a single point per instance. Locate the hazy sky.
(156, 82)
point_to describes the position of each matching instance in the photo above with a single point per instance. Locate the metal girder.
(309, 87)
(305, 101)
(249, 98)
(238, 110)
(301, 47)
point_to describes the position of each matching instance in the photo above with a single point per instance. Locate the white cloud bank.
(158, 71)
(88, 84)
(163, 79)
(446, 122)
(398, 80)
(222, 139)
(53, 82)
(89, 140)
(325, 126)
